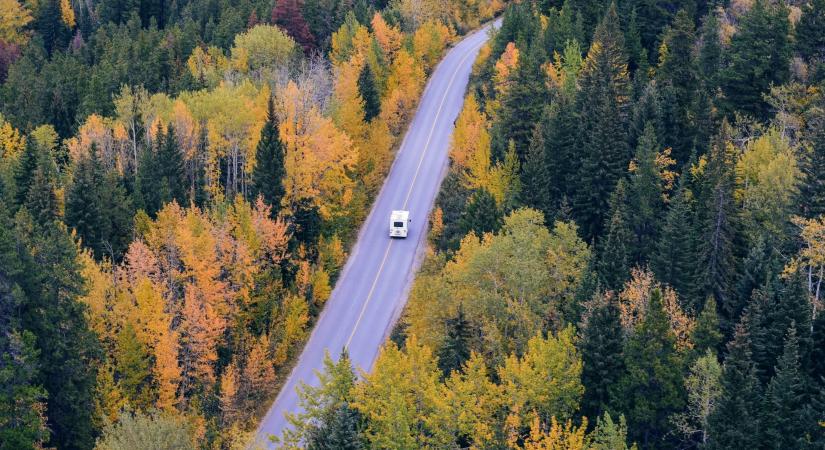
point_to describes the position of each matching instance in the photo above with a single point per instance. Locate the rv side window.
(398, 224)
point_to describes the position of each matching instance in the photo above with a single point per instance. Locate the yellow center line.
(407, 199)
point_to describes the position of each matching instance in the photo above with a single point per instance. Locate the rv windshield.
(398, 224)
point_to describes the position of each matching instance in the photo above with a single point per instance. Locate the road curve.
(374, 284)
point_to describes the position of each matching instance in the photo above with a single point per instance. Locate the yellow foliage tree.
(13, 17)
(388, 37)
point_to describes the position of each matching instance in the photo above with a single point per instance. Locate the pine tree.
(812, 189)
(481, 215)
(760, 54)
(269, 171)
(52, 284)
(560, 130)
(651, 388)
(602, 105)
(782, 422)
(455, 350)
(523, 104)
(706, 334)
(41, 199)
(369, 92)
(677, 75)
(810, 41)
(98, 209)
(615, 250)
(720, 224)
(734, 422)
(534, 180)
(601, 345)
(170, 165)
(710, 52)
(24, 172)
(645, 197)
(674, 261)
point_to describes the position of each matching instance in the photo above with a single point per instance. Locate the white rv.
(398, 223)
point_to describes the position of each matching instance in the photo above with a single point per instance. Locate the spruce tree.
(706, 333)
(52, 284)
(651, 387)
(812, 188)
(720, 242)
(615, 249)
(674, 261)
(645, 197)
(534, 180)
(341, 430)
(603, 112)
(810, 40)
(601, 344)
(369, 92)
(269, 171)
(455, 350)
(41, 198)
(760, 54)
(734, 422)
(523, 104)
(710, 52)
(481, 215)
(170, 163)
(679, 81)
(560, 130)
(783, 423)
(24, 172)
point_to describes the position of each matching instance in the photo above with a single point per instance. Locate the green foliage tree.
(369, 92)
(735, 420)
(812, 189)
(615, 250)
(706, 334)
(760, 56)
(269, 171)
(644, 197)
(481, 215)
(455, 350)
(603, 111)
(651, 388)
(133, 368)
(98, 209)
(601, 345)
(783, 423)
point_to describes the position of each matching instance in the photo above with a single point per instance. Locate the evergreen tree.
(734, 422)
(679, 81)
(24, 172)
(481, 215)
(651, 388)
(41, 199)
(98, 209)
(602, 105)
(341, 430)
(369, 92)
(719, 222)
(523, 104)
(810, 40)
(760, 54)
(783, 424)
(535, 183)
(706, 334)
(601, 346)
(615, 250)
(645, 197)
(812, 188)
(269, 171)
(170, 163)
(455, 350)
(674, 261)
(560, 130)
(52, 284)
(710, 52)
(816, 360)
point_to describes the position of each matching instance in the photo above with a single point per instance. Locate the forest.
(628, 249)
(180, 183)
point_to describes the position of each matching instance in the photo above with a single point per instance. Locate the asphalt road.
(374, 284)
